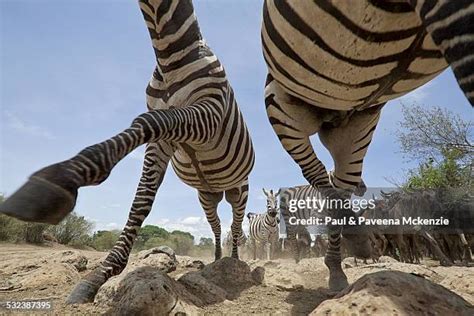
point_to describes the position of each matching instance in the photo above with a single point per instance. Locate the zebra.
(332, 65)
(228, 241)
(297, 233)
(192, 119)
(263, 228)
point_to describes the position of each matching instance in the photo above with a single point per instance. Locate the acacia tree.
(427, 133)
(441, 142)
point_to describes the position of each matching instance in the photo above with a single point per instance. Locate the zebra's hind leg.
(294, 121)
(237, 198)
(337, 277)
(209, 202)
(155, 163)
(347, 144)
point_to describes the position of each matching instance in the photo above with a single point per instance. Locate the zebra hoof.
(39, 200)
(83, 293)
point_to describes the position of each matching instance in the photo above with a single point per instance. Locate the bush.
(10, 229)
(104, 240)
(33, 232)
(73, 228)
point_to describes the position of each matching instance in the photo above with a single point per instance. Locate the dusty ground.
(30, 273)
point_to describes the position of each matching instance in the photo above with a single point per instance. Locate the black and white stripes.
(263, 228)
(332, 65)
(193, 120)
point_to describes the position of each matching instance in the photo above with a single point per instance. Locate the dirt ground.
(47, 273)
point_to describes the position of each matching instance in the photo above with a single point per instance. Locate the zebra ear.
(265, 192)
(278, 193)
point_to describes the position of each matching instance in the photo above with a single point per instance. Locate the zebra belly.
(346, 54)
(207, 177)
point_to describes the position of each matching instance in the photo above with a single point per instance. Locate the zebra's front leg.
(156, 160)
(237, 198)
(50, 193)
(209, 202)
(337, 277)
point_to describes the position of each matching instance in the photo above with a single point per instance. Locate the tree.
(148, 232)
(442, 144)
(104, 240)
(72, 228)
(183, 243)
(206, 242)
(184, 234)
(429, 133)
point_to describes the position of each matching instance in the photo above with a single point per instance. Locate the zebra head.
(272, 202)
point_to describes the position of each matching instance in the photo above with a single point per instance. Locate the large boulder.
(162, 258)
(230, 274)
(393, 293)
(222, 279)
(148, 291)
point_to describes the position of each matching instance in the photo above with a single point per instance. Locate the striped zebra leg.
(348, 145)
(237, 198)
(294, 122)
(450, 24)
(50, 193)
(157, 156)
(209, 202)
(337, 278)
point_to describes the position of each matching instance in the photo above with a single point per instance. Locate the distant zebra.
(291, 213)
(229, 241)
(263, 228)
(193, 120)
(332, 65)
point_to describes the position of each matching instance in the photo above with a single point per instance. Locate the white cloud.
(112, 225)
(191, 220)
(23, 127)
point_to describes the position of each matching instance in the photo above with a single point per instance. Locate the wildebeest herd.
(449, 244)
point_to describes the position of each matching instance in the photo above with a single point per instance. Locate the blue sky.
(74, 73)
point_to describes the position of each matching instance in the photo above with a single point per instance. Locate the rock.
(147, 291)
(258, 274)
(392, 292)
(57, 275)
(230, 274)
(162, 258)
(72, 257)
(190, 262)
(197, 264)
(387, 259)
(76, 259)
(208, 292)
